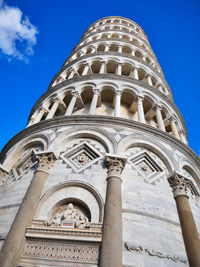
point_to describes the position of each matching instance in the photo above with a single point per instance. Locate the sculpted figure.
(69, 213)
(56, 220)
(82, 221)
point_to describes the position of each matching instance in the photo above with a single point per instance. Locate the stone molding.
(95, 120)
(179, 185)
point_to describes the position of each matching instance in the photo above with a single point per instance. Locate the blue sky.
(37, 36)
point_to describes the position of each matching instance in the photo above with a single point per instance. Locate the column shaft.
(94, 101)
(117, 103)
(140, 109)
(174, 129)
(53, 109)
(111, 248)
(15, 241)
(71, 106)
(159, 118)
(191, 239)
(40, 115)
(135, 74)
(189, 230)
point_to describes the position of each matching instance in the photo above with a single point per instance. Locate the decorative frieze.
(63, 252)
(132, 247)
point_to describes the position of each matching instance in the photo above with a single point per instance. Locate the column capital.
(181, 131)
(140, 98)
(43, 109)
(45, 160)
(172, 119)
(57, 99)
(158, 106)
(75, 93)
(96, 91)
(118, 92)
(179, 184)
(115, 165)
(3, 176)
(31, 120)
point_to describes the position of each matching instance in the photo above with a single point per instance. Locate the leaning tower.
(103, 174)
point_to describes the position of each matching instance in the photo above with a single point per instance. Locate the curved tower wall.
(110, 98)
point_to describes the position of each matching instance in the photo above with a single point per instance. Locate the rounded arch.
(68, 191)
(99, 135)
(40, 141)
(139, 141)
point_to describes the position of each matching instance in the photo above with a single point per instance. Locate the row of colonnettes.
(112, 72)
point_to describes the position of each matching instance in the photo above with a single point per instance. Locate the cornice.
(83, 120)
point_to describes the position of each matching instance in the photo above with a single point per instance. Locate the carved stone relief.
(81, 156)
(147, 164)
(60, 252)
(69, 216)
(132, 247)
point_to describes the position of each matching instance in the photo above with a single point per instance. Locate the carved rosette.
(115, 165)
(3, 176)
(45, 161)
(179, 185)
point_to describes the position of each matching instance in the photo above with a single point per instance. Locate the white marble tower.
(103, 174)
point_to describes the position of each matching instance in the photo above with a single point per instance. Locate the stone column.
(85, 70)
(182, 136)
(72, 103)
(51, 113)
(42, 111)
(119, 69)
(71, 74)
(135, 74)
(106, 48)
(174, 128)
(140, 109)
(179, 186)
(117, 103)
(149, 80)
(15, 241)
(96, 93)
(111, 248)
(133, 52)
(120, 49)
(159, 118)
(102, 68)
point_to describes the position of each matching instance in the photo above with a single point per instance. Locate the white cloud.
(17, 34)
